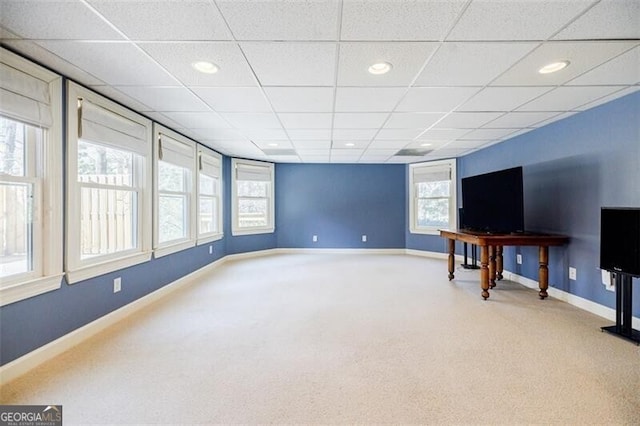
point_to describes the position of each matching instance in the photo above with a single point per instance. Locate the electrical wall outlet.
(117, 284)
(519, 259)
(315, 238)
(573, 273)
(211, 249)
(364, 238)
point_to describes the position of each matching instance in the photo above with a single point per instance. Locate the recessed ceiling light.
(349, 144)
(553, 67)
(272, 144)
(380, 68)
(205, 67)
(425, 144)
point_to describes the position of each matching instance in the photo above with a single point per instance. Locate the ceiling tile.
(198, 120)
(311, 147)
(514, 120)
(412, 120)
(347, 120)
(165, 98)
(361, 99)
(292, 64)
(466, 120)
(118, 96)
(502, 98)
(582, 56)
(234, 99)
(321, 159)
(383, 144)
(609, 19)
(305, 120)
(57, 20)
(551, 120)
(406, 60)
(471, 64)
(487, 134)
(354, 134)
(398, 20)
(185, 20)
(309, 134)
(395, 134)
(284, 158)
(435, 99)
(609, 98)
(7, 35)
(178, 57)
(514, 20)
(281, 20)
(443, 134)
(373, 159)
(350, 145)
(568, 98)
(379, 152)
(301, 99)
(219, 136)
(252, 120)
(264, 134)
(465, 144)
(163, 119)
(274, 144)
(113, 63)
(624, 69)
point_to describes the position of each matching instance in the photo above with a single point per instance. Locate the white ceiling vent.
(275, 151)
(412, 152)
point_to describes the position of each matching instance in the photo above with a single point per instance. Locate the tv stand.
(623, 310)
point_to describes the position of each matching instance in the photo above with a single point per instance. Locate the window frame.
(78, 269)
(189, 240)
(235, 225)
(413, 196)
(46, 162)
(207, 237)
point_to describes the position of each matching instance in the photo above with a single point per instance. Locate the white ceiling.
(293, 84)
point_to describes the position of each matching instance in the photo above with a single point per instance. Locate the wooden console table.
(491, 254)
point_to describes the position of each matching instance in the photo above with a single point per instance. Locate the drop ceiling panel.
(305, 120)
(488, 134)
(466, 120)
(346, 120)
(608, 98)
(443, 134)
(282, 20)
(178, 57)
(354, 134)
(406, 60)
(312, 147)
(202, 120)
(264, 134)
(519, 119)
(568, 98)
(274, 144)
(435, 99)
(163, 119)
(301, 99)
(350, 145)
(384, 144)
(233, 99)
(502, 98)
(118, 96)
(54, 20)
(395, 134)
(309, 134)
(612, 19)
(292, 64)
(412, 120)
(515, 20)
(252, 120)
(398, 20)
(582, 57)
(185, 20)
(164, 99)
(220, 135)
(624, 69)
(113, 63)
(471, 64)
(360, 99)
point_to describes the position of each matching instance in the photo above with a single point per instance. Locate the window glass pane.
(15, 228)
(433, 189)
(252, 212)
(432, 212)
(107, 221)
(250, 188)
(207, 210)
(12, 147)
(171, 217)
(101, 164)
(207, 184)
(171, 177)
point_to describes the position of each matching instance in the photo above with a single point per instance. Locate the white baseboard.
(338, 251)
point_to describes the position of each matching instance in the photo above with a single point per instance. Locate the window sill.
(434, 231)
(97, 269)
(252, 231)
(173, 248)
(25, 290)
(209, 239)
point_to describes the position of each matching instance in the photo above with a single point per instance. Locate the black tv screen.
(493, 202)
(620, 240)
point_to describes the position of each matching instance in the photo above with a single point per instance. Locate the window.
(175, 214)
(109, 186)
(253, 207)
(209, 195)
(30, 179)
(432, 196)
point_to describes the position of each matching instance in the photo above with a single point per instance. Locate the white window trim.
(50, 276)
(452, 196)
(76, 268)
(235, 229)
(212, 236)
(173, 246)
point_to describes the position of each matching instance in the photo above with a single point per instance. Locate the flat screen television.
(493, 202)
(620, 240)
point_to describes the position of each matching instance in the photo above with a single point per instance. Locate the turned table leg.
(492, 266)
(499, 263)
(452, 248)
(484, 271)
(543, 272)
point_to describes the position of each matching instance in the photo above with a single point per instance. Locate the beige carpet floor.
(323, 338)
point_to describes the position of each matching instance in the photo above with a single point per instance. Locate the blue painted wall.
(339, 203)
(572, 168)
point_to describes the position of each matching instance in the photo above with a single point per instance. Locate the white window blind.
(100, 125)
(210, 165)
(24, 97)
(431, 174)
(253, 172)
(176, 152)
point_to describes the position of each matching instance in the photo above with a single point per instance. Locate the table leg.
(492, 266)
(484, 271)
(499, 263)
(452, 248)
(543, 272)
